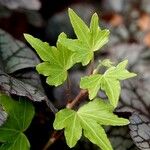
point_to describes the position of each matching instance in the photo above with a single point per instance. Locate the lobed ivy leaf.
(20, 115)
(109, 82)
(88, 39)
(16, 70)
(88, 118)
(57, 61)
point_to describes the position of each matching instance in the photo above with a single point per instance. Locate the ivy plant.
(89, 118)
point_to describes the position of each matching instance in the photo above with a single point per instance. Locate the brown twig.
(55, 136)
(91, 67)
(68, 90)
(77, 99)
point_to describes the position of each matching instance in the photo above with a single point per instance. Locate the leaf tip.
(95, 15)
(26, 36)
(126, 61)
(108, 31)
(127, 121)
(70, 10)
(133, 75)
(70, 145)
(62, 36)
(124, 122)
(91, 97)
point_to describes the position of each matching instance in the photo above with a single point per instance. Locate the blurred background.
(129, 25)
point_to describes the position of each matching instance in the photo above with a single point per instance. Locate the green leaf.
(15, 56)
(92, 83)
(88, 118)
(119, 72)
(88, 39)
(20, 115)
(80, 28)
(102, 112)
(19, 143)
(106, 63)
(57, 61)
(80, 49)
(98, 37)
(42, 48)
(112, 89)
(109, 82)
(96, 134)
(69, 120)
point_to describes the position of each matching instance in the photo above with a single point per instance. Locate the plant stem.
(55, 136)
(95, 71)
(68, 90)
(91, 67)
(77, 99)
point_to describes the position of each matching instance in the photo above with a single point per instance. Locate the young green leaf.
(80, 28)
(56, 60)
(109, 82)
(69, 120)
(20, 115)
(88, 39)
(88, 118)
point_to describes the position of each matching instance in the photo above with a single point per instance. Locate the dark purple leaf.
(140, 131)
(14, 86)
(135, 98)
(132, 52)
(117, 35)
(30, 77)
(14, 54)
(34, 18)
(120, 138)
(116, 6)
(27, 4)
